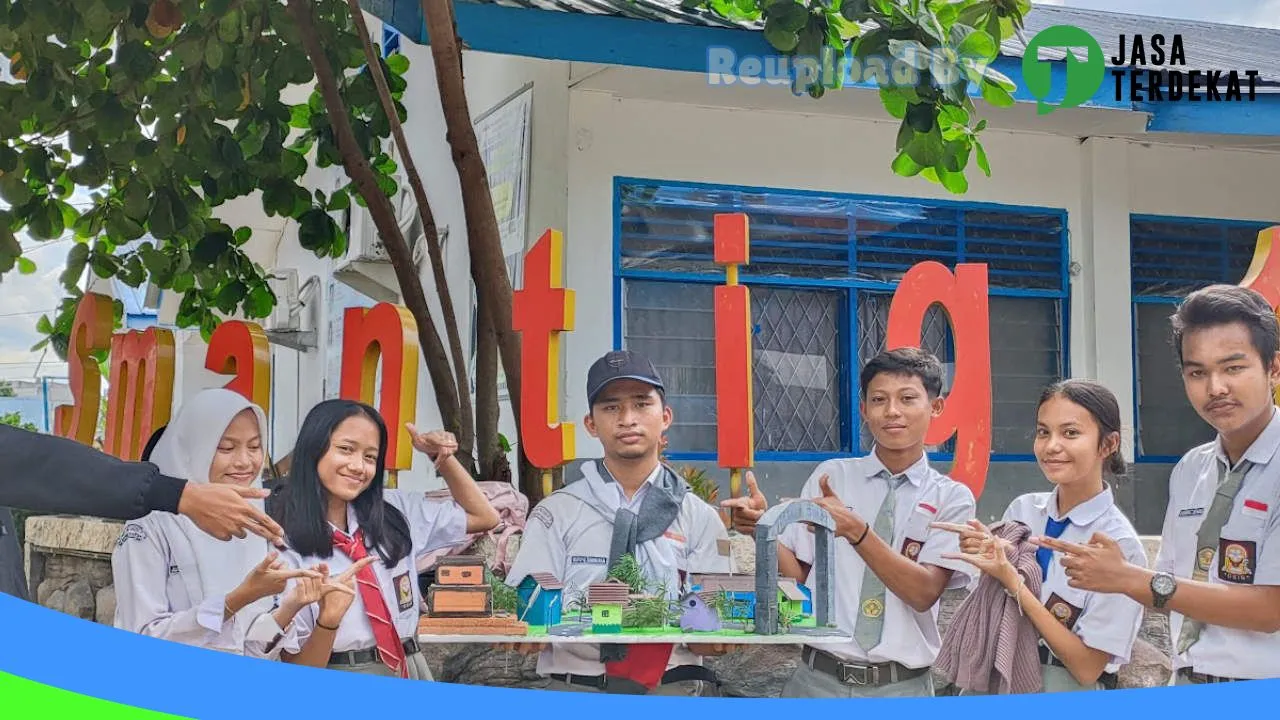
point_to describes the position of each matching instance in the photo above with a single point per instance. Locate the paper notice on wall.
(504, 134)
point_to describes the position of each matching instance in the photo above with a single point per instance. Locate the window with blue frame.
(822, 273)
(1170, 258)
(390, 41)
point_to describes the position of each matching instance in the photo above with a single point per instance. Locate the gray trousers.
(809, 683)
(1055, 679)
(415, 664)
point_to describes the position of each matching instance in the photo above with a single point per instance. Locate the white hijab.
(186, 450)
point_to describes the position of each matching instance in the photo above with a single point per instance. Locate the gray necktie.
(1207, 540)
(870, 625)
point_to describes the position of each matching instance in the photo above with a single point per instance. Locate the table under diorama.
(572, 631)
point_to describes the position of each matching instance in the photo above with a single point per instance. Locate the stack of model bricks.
(460, 602)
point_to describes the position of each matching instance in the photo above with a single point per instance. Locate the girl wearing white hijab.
(176, 582)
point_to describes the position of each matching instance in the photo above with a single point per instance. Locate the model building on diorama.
(461, 602)
(626, 604)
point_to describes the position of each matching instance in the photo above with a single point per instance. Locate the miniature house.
(739, 592)
(791, 599)
(696, 615)
(540, 599)
(460, 589)
(606, 600)
(460, 570)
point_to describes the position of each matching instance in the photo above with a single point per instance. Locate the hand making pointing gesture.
(983, 550)
(746, 510)
(1099, 566)
(849, 525)
(337, 592)
(438, 445)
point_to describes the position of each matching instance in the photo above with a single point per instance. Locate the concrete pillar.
(1102, 317)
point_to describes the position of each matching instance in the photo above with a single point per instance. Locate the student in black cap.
(628, 502)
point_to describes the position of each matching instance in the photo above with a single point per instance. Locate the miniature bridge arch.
(768, 528)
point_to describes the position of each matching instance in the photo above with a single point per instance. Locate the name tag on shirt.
(588, 560)
(1191, 512)
(677, 537)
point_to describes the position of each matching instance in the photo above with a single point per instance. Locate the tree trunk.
(358, 169)
(487, 413)
(484, 241)
(466, 431)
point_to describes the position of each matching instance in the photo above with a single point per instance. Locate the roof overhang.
(613, 40)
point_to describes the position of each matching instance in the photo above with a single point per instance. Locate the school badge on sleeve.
(1237, 560)
(1063, 611)
(404, 591)
(911, 548)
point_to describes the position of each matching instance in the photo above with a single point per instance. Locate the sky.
(22, 298)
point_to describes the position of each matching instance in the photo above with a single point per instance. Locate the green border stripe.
(33, 700)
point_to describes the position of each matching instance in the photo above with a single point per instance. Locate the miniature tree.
(628, 571)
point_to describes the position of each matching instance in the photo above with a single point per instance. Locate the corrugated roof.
(548, 581)
(725, 583)
(790, 590)
(1209, 46)
(608, 593)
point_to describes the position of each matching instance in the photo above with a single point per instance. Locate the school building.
(599, 118)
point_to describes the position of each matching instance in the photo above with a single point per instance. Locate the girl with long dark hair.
(335, 511)
(1084, 637)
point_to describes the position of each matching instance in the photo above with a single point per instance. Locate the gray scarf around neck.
(658, 510)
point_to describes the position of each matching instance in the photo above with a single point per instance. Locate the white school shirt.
(909, 637)
(433, 525)
(1252, 530)
(1104, 621)
(158, 591)
(568, 539)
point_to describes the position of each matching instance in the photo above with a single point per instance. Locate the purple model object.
(696, 615)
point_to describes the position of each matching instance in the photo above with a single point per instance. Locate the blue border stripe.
(122, 667)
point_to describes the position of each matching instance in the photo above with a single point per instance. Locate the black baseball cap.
(620, 365)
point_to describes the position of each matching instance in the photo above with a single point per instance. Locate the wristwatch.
(1163, 585)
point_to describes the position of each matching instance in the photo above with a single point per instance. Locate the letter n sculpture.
(1264, 272)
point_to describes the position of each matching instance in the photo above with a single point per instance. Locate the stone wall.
(68, 562)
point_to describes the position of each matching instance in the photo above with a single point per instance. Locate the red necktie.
(375, 605)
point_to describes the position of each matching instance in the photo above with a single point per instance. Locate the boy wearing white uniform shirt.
(890, 569)
(1218, 571)
(627, 503)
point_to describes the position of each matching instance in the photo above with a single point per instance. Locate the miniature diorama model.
(466, 599)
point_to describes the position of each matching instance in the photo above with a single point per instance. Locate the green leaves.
(153, 114)
(923, 54)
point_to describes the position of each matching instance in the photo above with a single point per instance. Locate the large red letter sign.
(242, 349)
(141, 390)
(1264, 271)
(390, 332)
(735, 416)
(968, 408)
(95, 316)
(541, 311)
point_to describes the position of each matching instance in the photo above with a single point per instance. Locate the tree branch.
(467, 430)
(383, 215)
